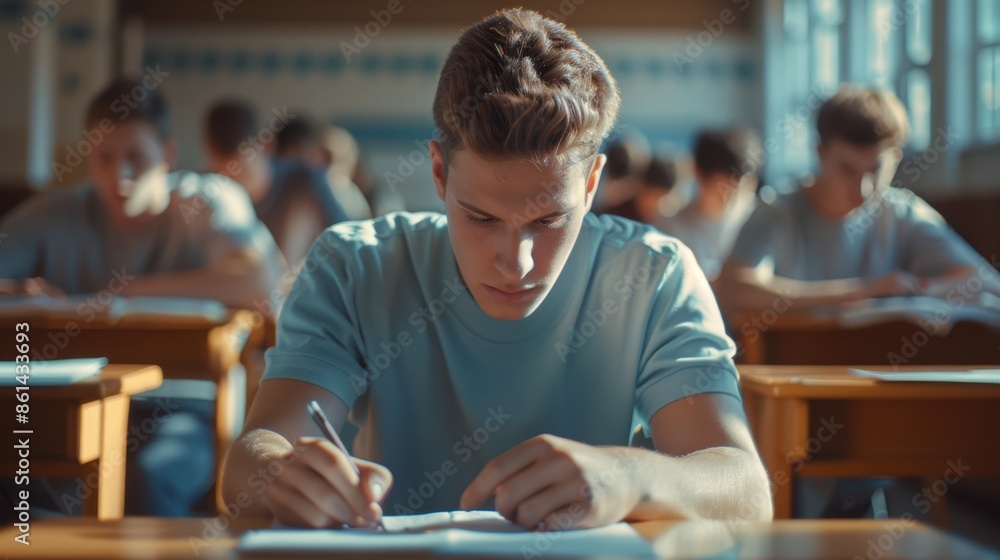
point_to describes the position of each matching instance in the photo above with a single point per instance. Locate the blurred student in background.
(628, 158)
(293, 199)
(725, 164)
(654, 184)
(332, 150)
(848, 235)
(137, 228)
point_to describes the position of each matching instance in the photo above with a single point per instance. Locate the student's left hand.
(560, 483)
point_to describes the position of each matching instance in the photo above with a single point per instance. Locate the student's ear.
(439, 168)
(170, 149)
(594, 177)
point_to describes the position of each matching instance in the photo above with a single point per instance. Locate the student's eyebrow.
(468, 206)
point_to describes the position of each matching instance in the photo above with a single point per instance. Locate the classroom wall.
(384, 94)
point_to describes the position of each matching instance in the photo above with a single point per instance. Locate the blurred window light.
(989, 93)
(829, 12)
(881, 36)
(918, 96)
(918, 33)
(826, 49)
(989, 20)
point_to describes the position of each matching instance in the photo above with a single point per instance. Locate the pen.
(327, 429)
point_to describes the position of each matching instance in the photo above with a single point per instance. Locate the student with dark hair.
(628, 158)
(848, 235)
(330, 149)
(293, 199)
(152, 232)
(519, 314)
(725, 165)
(655, 183)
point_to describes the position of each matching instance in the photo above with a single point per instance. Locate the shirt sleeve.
(233, 225)
(687, 351)
(21, 239)
(930, 247)
(319, 338)
(756, 240)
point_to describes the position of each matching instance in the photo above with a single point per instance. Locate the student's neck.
(711, 202)
(814, 194)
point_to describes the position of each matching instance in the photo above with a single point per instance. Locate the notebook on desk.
(933, 376)
(51, 372)
(920, 309)
(88, 305)
(467, 533)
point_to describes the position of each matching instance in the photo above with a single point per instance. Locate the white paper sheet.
(957, 376)
(52, 372)
(453, 533)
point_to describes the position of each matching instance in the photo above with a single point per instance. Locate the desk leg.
(225, 408)
(782, 430)
(107, 501)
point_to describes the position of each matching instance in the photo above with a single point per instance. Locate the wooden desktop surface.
(161, 539)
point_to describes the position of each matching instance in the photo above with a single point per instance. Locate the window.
(987, 70)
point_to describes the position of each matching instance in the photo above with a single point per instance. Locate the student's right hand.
(319, 488)
(896, 283)
(38, 286)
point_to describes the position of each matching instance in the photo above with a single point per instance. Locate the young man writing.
(501, 352)
(848, 235)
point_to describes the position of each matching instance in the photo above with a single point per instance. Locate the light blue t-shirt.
(67, 237)
(895, 231)
(380, 317)
(711, 240)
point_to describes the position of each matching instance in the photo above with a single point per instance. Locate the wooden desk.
(80, 430)
(820, 421)
(798, 338)
(162, 539)
(183, 347)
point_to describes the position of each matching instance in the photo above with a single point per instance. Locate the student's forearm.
(739, 295)
(236, 287)
(252, 462)
(715, 483)
(8, 287)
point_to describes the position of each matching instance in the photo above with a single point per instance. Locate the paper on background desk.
(475, 533)
(955, 376)
(52, 372)
(84, 306)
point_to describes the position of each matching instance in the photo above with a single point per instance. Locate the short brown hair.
(863, 116)
(519, 85)
(228, 124)
(128, 100)
(736, 151)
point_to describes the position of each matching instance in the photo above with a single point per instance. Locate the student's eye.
(480, 221)
(553, 222)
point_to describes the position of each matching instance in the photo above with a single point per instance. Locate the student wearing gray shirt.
(726, 171)
(848, 235)
(137, 229)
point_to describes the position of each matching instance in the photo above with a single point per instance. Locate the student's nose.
(514, 259)
(126, 178)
